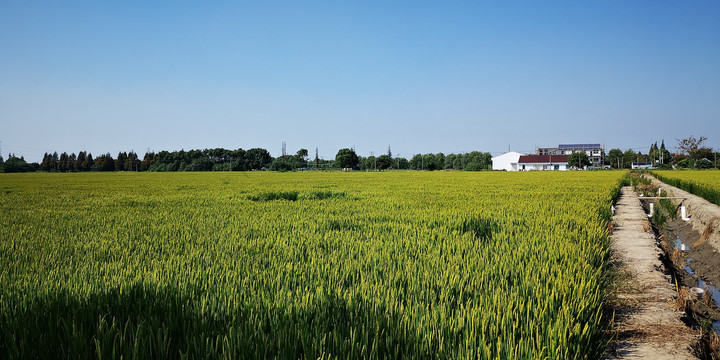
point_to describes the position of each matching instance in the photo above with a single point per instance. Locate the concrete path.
(647, 324)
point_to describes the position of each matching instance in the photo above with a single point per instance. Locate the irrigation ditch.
(687, 230)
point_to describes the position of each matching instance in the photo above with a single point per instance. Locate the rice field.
(703, 183)
(304, 265)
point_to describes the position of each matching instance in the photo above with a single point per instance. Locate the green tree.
(478, 161)
(434, 162)
(703, 164)
(48, 162)
(16, 164)
(301, 158)
(684, 163)
(105, 163)
(384, 162)
(81, 160)
(346, 158)
(200, 164)
(131, 162)
(451, 161)
(238, 160)
(660, 156)
(147, 161)
(629, 157)
(63, 162)
(120, 161)
(578, 160)
(258, 159)
(281, 163)
(402, 163)
(88, 163)
(615, 158)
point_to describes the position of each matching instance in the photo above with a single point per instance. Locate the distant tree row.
(220, 159)
(692, 154)
(16, 164)
(193, 160)
(473, 161)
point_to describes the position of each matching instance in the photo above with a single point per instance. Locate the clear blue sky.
(453, 76)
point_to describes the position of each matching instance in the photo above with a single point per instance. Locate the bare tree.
(693, 147)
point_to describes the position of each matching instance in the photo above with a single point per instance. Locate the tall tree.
(301, 158)
(131, 162)
(346, 158)
(72, 159)
(147, 161)
(47, 164)
(56, 161)
(105, 162)
(317, 159)
(120, 161)
(63, 162)
(88, 163)
(80, 163)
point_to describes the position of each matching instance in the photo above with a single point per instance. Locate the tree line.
(255, 159)
(472, 161)
(692, 154)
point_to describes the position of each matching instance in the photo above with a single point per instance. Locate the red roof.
(543, 159)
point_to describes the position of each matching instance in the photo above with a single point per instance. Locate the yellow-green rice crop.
(703, 183)
(304, 265)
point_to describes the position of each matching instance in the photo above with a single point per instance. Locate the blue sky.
(419, 76)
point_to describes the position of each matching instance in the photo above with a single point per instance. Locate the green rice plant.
(668, 205)
(703, 183)
(275, 195)
(328, 194)
(386, 265)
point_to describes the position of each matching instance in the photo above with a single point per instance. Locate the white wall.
(507, 161)
(544, 166)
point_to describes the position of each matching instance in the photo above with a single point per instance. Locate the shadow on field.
(164, 323)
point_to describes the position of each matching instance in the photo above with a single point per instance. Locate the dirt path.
(647, 323)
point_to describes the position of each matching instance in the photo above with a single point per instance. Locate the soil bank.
(701, 232)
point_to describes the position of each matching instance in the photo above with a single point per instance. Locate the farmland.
(304, 265)
(703, 183)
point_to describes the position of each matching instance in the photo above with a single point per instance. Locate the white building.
(543, 162)
(507, 161)
(642, 165)
(595, 152)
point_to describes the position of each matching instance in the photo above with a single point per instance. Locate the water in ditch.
(709, 289)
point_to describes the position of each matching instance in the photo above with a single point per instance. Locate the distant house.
(543, 162)
(641, 165)
(507, 161)
(595, 152)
